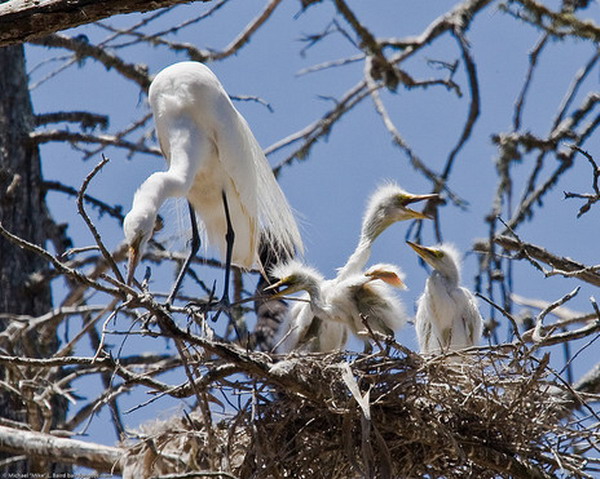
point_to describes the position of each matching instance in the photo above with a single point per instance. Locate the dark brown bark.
(22, 20)
(23, 212)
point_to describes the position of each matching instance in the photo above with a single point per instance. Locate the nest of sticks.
(490, 413)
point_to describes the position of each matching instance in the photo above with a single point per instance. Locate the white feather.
(210, 149)
(447, 318)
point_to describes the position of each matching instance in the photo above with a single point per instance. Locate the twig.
(537, 332)
(559, 24)
(474, 107)
(72, 137)
(63, 268)
(319, 128)
(88, 120)
(574, 88)
(591, 199)
(135, 72)
(246, 34)
(563, 265)
(107, 256)
(114, 211)
(506, 314)
(533, 58)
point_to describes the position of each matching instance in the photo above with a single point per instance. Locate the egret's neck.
(357, 260)
(372, 227)
(449, 277)
(317, 303)
(155, 190)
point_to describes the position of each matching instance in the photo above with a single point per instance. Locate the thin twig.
(537, 336)
(107, 256)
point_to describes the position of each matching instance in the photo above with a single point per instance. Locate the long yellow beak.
(415, 198)
(427, 254)
(275, 286)
(134, 259)
(416, 214)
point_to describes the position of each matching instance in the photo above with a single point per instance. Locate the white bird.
(311, 324)
(374, 302)
(337, 306)
(216, 163)
(447, 318)
(387, 205)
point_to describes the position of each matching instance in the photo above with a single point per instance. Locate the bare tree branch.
(72, 137)
(562, 265)
(96, 456)
(86, 119)
(23, 20)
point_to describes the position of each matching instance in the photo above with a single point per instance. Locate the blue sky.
(330, 188)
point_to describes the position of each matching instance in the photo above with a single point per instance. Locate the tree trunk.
(23, 212)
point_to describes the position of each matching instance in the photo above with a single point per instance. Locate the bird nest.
(492, 413)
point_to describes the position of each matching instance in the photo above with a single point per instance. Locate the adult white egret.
(447, 318)
(216, 163)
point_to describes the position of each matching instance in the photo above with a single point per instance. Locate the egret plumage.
(313, 325)
(372, 293)
(359, 298)
(215, 162)
(447, 318)
(387, 205)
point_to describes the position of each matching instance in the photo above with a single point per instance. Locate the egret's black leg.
(229, 239)
(224, 304)
(195, 246)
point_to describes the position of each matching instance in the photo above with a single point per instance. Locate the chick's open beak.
(417, 215)
(415, 198)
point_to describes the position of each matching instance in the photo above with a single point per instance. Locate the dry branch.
(35, 444)
(562, 265)
(23, 20)
(105, 140)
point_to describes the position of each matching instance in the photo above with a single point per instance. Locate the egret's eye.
(402, 200)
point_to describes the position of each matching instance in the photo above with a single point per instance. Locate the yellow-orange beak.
(134, 259)
(388, 277)
(427, 254)
(275, 286)
(415, 198)
(417, 215)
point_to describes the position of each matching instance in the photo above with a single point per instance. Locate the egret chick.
(386, 206)
(311, 324)
(214, 162)
(447, 318)
(346, 303)
(373, 297)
